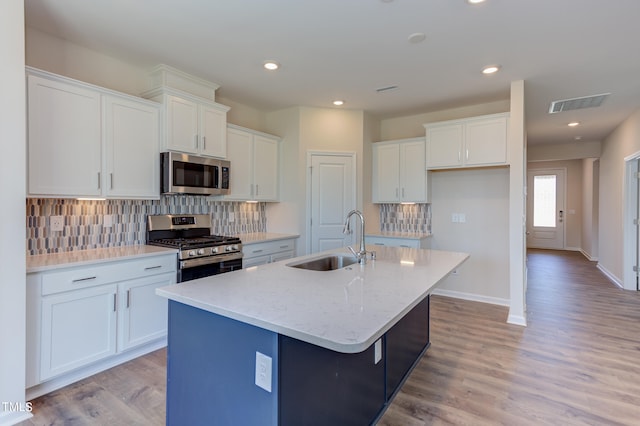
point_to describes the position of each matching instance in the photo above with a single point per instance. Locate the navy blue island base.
(211, 364)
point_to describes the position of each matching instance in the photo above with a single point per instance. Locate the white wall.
(624, 141)
(12, 214)
(564, 151)
(411, 126)
(574, 208)
(590, 195)
(483, 196)
(307, 129)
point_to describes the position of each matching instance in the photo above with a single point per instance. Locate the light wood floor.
(577, 363)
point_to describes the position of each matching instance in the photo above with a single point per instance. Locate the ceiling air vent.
(577, 103)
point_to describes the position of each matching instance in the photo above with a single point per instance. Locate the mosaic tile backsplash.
(84, 221)
(405, 218)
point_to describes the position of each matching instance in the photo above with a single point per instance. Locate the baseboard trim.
(89, 370)
(517, 320)
(472, 297)
(610, 275)
(588, 256)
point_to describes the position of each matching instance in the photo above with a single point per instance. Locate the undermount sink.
(326, 263)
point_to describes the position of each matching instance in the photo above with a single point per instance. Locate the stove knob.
(201, 251)
(214, 250)
(235, 247)
(192, 253)
(229, 248)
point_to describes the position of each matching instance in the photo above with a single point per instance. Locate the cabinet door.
(143, 313)
(132, 149)
(413, 173)
(486, 142)
(265, 168)
(64, 147)
(78, 327)
(386, 173)
(444, 146)
(182, 125)
(239, 149)
(213, 132)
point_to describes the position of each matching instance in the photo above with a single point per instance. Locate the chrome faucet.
(361, 256)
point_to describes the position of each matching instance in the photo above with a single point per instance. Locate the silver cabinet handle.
(204, 142)
(257, 251)
(467, 155)
(148, 268)
(195, 139)
(283, 247)
(115, 301)
(99, 180)
(78, 280)
(128, 298)
(111, 180)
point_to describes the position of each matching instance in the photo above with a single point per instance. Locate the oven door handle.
(209, 260)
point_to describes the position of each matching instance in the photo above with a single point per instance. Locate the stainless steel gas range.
(200, 253)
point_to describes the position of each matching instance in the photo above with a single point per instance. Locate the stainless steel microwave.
(192, 174)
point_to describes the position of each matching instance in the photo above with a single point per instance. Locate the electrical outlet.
(232, 217)
(56, 223)
(462, 218)
(107, 221)
(377, 351)
(263, 371)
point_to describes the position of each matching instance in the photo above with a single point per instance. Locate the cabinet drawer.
(393, 242)
(89, 276)
(267, 248)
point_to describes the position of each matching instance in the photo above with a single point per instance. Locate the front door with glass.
(546, 213)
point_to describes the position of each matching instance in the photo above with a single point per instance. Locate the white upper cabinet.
(254, 164)
(473, 142)
(86, 141)
(132, 133)
(64, 140)
(193, 125)
(399, 174)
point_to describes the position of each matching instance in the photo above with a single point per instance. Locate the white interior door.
(545, 208)
(332, 196)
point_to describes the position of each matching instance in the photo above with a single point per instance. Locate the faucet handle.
(353, 251)
(373, 255)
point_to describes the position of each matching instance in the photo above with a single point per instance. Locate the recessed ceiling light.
(491, 69)
(338, 103)
(271, 65)
(416, 38)
(573, 124)
(475, 1)
(578, 138)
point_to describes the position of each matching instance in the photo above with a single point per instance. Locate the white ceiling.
(347, 49)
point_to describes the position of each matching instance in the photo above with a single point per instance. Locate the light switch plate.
(263, 371)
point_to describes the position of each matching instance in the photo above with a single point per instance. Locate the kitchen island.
(281, 345)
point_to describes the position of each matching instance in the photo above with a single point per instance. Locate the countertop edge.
(335, 345)
(264, 237)
(102, 255)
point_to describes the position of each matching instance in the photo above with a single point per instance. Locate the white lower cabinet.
(80, 316)
(143, 314)
(255, 254)
(398, 241)
(78, 327)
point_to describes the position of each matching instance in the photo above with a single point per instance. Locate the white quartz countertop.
(406, 235)
(263, 237)
(345, 310)
(47, 262)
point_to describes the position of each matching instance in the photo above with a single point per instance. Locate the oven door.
(206, 266)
